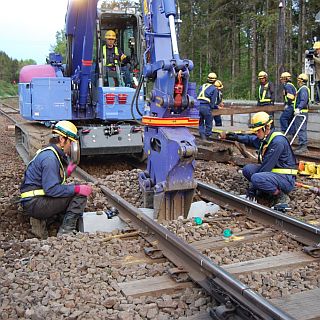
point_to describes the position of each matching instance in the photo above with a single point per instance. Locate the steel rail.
(243, 302)
(299, 230)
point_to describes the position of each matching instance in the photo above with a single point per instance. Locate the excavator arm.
(168, 185)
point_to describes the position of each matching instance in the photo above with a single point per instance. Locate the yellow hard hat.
(212, 77)
(262, 74)
(66, 129)
(218, 84)
(285, 76)
(303, 77)
(260, 120)
(316, 45)
(110, 34)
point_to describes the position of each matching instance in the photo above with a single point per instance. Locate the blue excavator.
(110, 108)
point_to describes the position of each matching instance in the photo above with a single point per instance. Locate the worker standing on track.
(265, 90)
(44, 194)
(289, 95)
(219, 103)
(207, 97)
(301, 107)
(276, 172)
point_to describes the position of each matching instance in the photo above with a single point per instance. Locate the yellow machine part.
(310, 169)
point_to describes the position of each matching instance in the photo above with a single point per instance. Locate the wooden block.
(220, 242)
(152, 286)
(138, 258)
(302, 305)
(284, 260)
(10, 127)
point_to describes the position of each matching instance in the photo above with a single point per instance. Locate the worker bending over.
(276, 172)
(44, 193)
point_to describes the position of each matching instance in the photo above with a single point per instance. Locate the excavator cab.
(127, 27)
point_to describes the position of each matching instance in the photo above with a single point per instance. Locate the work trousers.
(317, 91)
(44, 207)
(286, 118)
(205, 121)
(268, 182)
(302, 134)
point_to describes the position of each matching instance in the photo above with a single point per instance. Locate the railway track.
(196, 259)
(234, 297)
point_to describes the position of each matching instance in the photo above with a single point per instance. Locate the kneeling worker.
(276, 172)
(44, 194)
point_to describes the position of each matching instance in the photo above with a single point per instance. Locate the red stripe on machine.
(87, 63)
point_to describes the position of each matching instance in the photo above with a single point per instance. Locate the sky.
(28, 27)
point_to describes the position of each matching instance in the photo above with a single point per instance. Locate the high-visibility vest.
(262, 98)
(40, 192)
(201, 95)
(116, 56)
(309, 97)
(262, 150)
(289, 95)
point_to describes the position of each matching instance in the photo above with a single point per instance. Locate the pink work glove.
(70, 168)
(83, 189)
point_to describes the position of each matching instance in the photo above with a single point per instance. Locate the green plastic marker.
(197, 220)
(227, 233)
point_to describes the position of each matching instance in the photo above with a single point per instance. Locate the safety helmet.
(303, 77)
(66, 129)
(218, 84)
(316, 45)
(212, 77)
(110, 34)
(285, 76)
(262, 75)
(260, 120)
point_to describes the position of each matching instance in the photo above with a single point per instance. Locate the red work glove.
(83, 189)
(70, 168)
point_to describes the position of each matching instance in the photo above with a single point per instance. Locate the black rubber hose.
(135, 98)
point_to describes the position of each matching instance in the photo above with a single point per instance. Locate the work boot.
(202, 137)
(69, 224)
(39, 228)
(301, 149)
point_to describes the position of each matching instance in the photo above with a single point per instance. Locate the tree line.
(237, 39)
(10, 68)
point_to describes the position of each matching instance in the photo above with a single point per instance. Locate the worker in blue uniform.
(265, 90)
(113, 57)
(301, 107)
(276, 172)
(219, 103)
(289, 95)
(44, 193)
(207, 97)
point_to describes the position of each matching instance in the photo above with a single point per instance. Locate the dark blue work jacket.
(278, 153)
(289, 93)
(44, 172)
(208, 94)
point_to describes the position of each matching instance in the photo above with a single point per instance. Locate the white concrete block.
(200, 208)
(92, 222)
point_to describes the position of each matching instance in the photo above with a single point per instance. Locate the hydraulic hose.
(135, 99)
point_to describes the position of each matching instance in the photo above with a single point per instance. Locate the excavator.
(109, 112)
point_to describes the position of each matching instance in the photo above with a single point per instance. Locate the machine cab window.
(120, 39)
